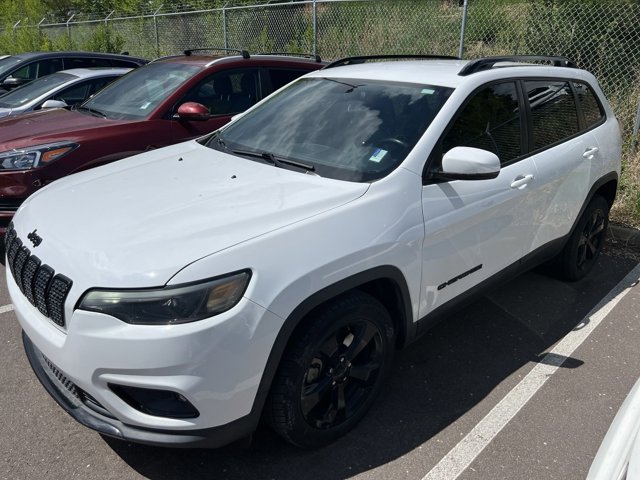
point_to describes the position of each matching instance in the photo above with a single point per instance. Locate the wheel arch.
(386, 283)
(606, 186)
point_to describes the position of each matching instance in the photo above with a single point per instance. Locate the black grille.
(63, 381)
(43, 288)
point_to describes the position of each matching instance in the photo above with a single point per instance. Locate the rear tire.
(331, 371)
(585, 244)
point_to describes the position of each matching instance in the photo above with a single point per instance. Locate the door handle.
(590, 152)
(521, 181)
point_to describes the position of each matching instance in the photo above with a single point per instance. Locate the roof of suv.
(207, 60)
(43, 55)
(451, 72)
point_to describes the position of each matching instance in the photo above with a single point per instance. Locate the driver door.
(476, 228)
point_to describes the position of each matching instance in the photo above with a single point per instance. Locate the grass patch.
(626, 209)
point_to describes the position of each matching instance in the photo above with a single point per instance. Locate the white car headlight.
(36, 156)
(169, 305)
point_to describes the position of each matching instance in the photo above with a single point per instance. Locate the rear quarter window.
(589, 104)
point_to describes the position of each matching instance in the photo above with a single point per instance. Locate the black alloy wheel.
(332, 370)
(586, 242)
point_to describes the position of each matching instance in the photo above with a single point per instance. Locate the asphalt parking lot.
(482, 395)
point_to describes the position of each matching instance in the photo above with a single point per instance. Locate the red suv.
(170, 100)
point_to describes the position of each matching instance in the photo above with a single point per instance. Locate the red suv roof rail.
(244, 53)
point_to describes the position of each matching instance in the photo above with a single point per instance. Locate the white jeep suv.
(270, 269)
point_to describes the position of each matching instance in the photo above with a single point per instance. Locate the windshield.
(33, 90)
(138, 93)
(356, 130)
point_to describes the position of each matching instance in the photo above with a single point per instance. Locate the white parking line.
(6, 308)
(467, 450)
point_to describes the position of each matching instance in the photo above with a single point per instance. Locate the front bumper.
(216, 364)
(84, 412)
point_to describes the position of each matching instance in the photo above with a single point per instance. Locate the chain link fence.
(602, 36)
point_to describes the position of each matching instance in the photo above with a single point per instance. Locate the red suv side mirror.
(192, 111)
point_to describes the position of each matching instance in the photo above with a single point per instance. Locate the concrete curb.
(626, 236)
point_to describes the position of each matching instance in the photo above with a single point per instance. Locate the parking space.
(442, 388)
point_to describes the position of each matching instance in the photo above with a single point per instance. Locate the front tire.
(585, 244)
(331, 371)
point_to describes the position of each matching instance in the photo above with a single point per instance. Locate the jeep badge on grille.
(35, 238)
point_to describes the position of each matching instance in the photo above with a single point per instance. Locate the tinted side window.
(75, 94)
(226, 93)
(491, 121)
(80, 62)
(39, 69)
(553, 111)
(589, 104)
(279, 77)
(123, 63)
(99, 83)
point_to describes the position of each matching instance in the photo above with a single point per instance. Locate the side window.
(591, 108)
(98, 84)
(75, 94)
(28, 72)
(86, 62)
(226, 93)
(280, 77)
(491, 121)
(553, 112)
(38, 69)
(123, 63)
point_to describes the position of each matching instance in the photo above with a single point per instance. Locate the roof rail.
(244, 53)
(313, 56)
(364, 58)
(488, 63)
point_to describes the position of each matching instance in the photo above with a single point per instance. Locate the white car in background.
(619, 455)
(60, 89)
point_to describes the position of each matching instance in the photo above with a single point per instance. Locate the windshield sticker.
(145, 106)
(428, 91)
(378, 155)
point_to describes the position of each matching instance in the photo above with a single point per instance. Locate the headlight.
(31, 157)
(169, 305)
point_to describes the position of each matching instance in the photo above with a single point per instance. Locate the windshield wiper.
(92, 111)
(272, 159)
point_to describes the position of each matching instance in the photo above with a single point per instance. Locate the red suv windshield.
(138, 93)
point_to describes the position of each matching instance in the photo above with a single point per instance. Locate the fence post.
(636, 127)
(155, 28)
(224, 25)
(464, 26)
(68, 29)
(40, 23)
(106, 19)
(15, 26)
(315, 27)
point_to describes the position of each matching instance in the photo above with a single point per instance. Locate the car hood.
(36, 128)
(138, 221)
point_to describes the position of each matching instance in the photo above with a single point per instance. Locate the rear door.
(565, 151)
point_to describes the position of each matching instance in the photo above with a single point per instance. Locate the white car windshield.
(34, 90)
(348, 129)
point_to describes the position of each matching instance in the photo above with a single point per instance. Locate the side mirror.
(192, 111)
(54, 104)
(467, 163)
(13, 82)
